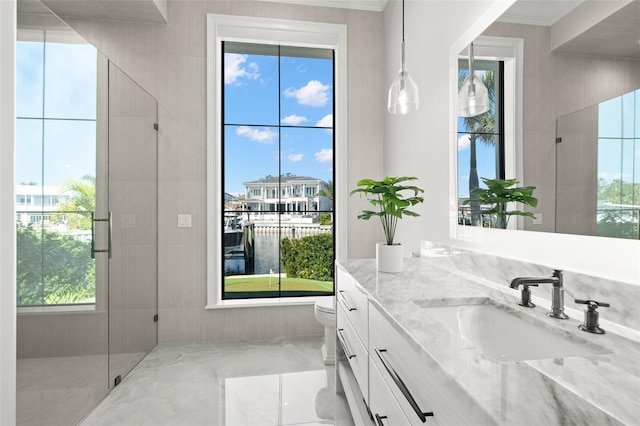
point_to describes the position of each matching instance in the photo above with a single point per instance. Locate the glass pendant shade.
(403, 94)
(473, 98)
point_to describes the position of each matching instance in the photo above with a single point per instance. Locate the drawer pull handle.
(346, 303)
(347, 352)
(403, 388)
(379, 419)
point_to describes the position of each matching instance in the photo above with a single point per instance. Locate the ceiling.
(373, 5)
(539, 12)
(127, 10)
(616, 36)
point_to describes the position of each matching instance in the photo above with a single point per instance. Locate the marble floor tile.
(59, 391)
(271, 382)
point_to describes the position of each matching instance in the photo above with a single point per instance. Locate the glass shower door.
(133, 212)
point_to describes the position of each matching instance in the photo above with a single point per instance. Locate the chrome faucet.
(557, 292)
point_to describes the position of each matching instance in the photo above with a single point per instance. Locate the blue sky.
(257, 102)
(67, 83)
(619, 144)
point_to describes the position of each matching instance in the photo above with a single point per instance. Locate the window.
(276, 88)
(481, 140)
(278, 131)
(55, 149)
(618, 208)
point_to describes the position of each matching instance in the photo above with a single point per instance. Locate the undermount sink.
(503, 334)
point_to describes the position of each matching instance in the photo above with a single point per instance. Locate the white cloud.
(324, 156)
(463, 142)
(262, 136)
(295, 157)
(294, 120)
(313, 94)
(234, 69)
(326, 121)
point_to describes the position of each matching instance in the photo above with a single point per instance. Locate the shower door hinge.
(155, 318)
(117, 381)
(558, 140)
(155, 126)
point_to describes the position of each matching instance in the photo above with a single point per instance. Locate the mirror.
(569, 65)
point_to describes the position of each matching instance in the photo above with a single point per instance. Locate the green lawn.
(247, 283)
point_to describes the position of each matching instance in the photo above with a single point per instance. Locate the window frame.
(511, 51)
(53, 35)
(275, 31)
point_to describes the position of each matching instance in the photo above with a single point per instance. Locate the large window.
(278, 156)
(618, 208)
(55, 168)
(481, 140)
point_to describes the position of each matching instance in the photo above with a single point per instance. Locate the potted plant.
(497, 195)
(388, 196)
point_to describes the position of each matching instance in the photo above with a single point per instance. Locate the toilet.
(325, 312)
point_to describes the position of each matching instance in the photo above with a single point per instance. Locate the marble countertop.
(601, 389)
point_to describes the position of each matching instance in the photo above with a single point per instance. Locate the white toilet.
(325, 312)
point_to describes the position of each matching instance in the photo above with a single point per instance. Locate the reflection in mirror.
(480, 141)
(598, 178)
(599, 62)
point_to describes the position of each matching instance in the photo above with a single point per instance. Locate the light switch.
(184, 221)
(538, 219)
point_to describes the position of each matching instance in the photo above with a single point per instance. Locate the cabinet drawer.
(355, 304)
(384, 407)
(417, 382)
(354, 350)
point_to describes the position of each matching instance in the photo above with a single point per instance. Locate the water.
(267, 248)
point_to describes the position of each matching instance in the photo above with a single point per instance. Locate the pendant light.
(403, 93)
(473, 98)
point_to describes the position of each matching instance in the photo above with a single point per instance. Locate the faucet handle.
(592, 305)
(591, 316)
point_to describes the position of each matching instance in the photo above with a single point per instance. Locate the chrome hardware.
(379, 419)
(347, 352)
(345, 302)
(403, 388)
(557, 292)
(93, 235)
(591, 316)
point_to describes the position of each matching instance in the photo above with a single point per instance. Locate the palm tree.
(83, 202)
(327, 191)
(481, 128)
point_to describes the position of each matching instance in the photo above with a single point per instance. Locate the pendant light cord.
(403, 68)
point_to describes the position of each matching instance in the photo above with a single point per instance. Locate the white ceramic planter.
(389, 258)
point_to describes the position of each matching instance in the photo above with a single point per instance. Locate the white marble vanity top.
(599, 389)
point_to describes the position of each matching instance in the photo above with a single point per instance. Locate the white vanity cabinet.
(399, 381)
(384, 408)
(352, 327)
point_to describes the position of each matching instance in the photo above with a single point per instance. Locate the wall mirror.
(574, 133)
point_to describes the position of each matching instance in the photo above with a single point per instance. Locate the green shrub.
(325, 219)
(309, 257)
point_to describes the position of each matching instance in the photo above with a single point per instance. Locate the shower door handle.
(93, 235)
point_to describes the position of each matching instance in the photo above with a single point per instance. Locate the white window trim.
(275, 31)
(511, 51)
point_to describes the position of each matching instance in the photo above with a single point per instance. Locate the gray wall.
(169, 61)
(556, 85)
(577, 174)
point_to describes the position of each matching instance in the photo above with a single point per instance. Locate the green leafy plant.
(389, 198)
(309, 257)
(498, 194)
